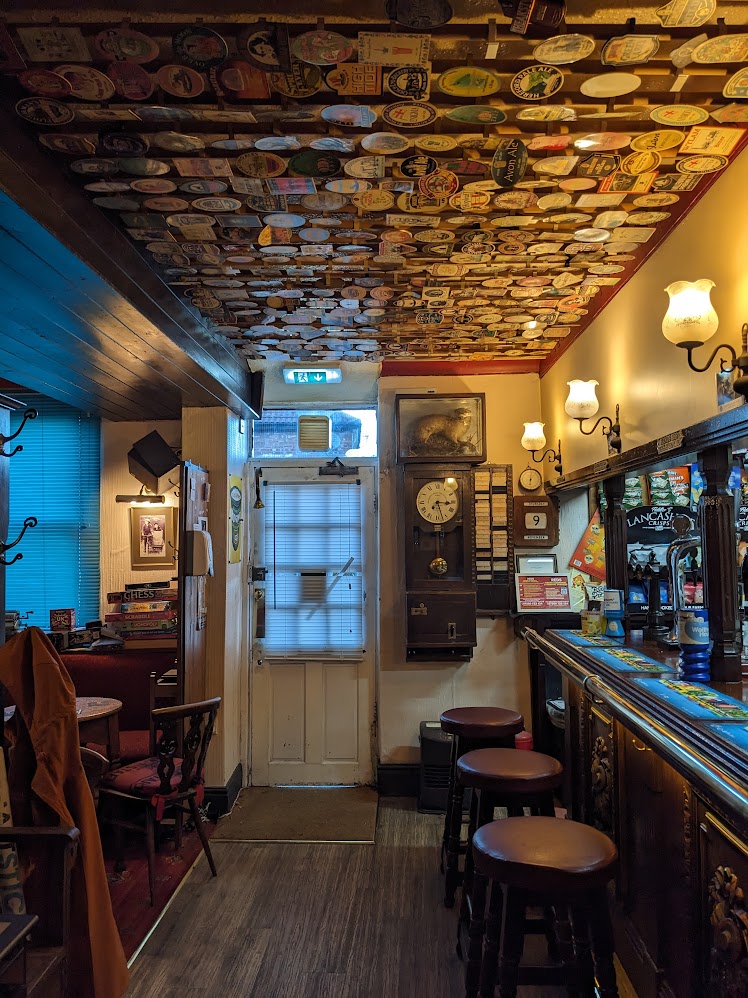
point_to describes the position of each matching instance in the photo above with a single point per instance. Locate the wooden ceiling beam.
(174, 344)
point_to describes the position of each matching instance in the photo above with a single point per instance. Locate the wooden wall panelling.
(723, 883)
(193, 504)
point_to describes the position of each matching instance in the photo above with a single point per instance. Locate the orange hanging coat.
(45, 757)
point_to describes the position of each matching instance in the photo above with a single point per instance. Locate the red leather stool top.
(547, 855)
(481, 722)
(507, 770)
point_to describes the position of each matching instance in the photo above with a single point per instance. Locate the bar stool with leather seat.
(471, 728)
(502, 777)
(545, 861)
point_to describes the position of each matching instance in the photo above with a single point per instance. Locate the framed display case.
(440, 427)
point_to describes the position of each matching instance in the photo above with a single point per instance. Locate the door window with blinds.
(314, 596)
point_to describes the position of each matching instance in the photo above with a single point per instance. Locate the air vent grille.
(314, 433)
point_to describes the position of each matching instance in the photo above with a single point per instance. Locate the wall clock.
(530, 479)
(438, 546)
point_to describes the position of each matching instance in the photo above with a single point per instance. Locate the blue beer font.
(693, 638)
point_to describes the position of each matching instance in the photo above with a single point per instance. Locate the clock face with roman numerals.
(437, 502)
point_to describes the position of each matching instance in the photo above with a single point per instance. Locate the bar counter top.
(700, 729)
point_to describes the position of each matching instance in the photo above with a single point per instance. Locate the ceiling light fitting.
(533, 440)
(691, 320)
(582, 404)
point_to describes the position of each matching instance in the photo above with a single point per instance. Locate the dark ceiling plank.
(177, 337)
(20, 343)
(42, 304)
(56, 353)
(89, 285)
(23, 369)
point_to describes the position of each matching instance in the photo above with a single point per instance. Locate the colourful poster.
(589, 555)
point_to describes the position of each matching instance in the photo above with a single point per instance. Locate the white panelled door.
(312, 688)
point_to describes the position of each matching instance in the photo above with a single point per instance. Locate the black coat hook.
(30, 521)
(28, 414)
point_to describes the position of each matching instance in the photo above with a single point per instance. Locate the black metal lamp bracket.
(612, 431)
(552, 455)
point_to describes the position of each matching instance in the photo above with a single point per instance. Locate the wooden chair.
(166, 782)
(96, 766)
(46, 856)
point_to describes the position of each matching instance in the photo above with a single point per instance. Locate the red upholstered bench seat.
(132, 745)
(125, 676)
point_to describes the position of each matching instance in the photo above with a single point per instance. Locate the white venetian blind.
(314, 588)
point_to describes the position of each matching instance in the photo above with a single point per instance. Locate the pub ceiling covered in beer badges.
(433, 180)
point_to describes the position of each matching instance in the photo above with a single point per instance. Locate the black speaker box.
(150, 458)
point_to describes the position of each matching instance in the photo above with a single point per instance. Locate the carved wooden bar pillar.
(616, 556)
(719, 563)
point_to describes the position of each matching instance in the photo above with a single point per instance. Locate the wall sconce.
(149, 499)
(691, 320)
(533, 440)
(582, 404)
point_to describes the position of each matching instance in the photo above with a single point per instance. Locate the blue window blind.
(55, 478)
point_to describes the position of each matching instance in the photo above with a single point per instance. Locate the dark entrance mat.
(301, 814)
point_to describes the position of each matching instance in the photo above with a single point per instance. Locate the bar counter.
(660, 765)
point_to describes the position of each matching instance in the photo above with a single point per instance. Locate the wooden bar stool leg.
(490, 961)
(602, 946)
(475, 946)
(563, 935)
(453, 846)
(450, 803)
(512, 941)
(467, 877)
(580, 928)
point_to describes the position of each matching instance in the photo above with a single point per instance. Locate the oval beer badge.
(509, 163)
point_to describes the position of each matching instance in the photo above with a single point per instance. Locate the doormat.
(301, 814)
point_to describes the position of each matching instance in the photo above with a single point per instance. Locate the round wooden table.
(98, 722)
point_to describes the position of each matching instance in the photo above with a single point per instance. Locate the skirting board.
(397, 779)
(220, 800)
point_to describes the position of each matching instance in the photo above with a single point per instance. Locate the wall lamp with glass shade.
(582, 404)
(691, 320)
(533, 440)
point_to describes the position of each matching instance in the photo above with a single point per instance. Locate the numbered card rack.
(494, 541)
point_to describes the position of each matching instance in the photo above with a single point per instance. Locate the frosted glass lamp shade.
(533, 438)
(582, 401)
(690, 319)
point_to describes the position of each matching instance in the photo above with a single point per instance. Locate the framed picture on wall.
(440, 427)
(152, 536)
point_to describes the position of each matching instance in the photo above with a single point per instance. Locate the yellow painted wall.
(211, 438)
(497, 673)
(624, 348)
(116, 440)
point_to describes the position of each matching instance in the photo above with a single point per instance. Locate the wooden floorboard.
(314, 921)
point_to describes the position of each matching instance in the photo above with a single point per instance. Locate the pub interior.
(373, 563)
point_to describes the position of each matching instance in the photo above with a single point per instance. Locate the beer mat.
(697, 700)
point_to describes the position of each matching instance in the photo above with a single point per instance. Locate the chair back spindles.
(170, 722)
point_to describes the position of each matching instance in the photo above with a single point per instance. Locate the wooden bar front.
(672, 792)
